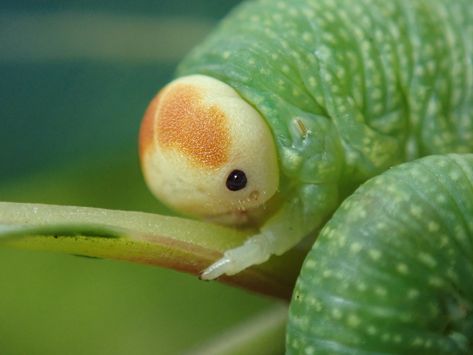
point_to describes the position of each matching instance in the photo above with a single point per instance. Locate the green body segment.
(362, 76)
(350, 88)
(392, 272)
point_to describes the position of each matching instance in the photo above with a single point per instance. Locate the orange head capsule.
(206, 152)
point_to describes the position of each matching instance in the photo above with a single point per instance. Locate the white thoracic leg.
(256, 250)
(296, 219)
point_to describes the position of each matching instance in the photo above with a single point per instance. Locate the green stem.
(172, 242)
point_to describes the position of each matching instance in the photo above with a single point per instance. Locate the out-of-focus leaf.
(172, 242)
(261, 335)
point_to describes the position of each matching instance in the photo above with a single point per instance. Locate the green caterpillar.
(284, 111)
(392, 271)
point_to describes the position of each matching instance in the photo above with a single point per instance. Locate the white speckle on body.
(336, 313)
(356, 247)
(402, 268)
(353, 321)
(433, 226)
(375, 254)
(380, 291)
(372, 330)
(413, 293)
(427, 259)
(416, 211)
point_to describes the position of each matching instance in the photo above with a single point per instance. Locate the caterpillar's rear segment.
(392, 271)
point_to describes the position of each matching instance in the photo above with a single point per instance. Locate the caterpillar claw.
(217, 269)
(254, 251)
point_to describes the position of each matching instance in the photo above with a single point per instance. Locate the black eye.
(236, 180)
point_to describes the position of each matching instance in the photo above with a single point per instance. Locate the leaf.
(172, 242)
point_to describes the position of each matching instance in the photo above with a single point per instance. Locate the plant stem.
(172, 242)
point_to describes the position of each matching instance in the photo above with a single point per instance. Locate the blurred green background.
(76, 77)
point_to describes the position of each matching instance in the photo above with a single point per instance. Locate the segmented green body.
(350, 88)
(390, 80)
(392, 271)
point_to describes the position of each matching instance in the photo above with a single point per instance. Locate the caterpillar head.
(206, 152)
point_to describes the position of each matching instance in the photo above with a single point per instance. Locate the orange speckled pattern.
(200, 131)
